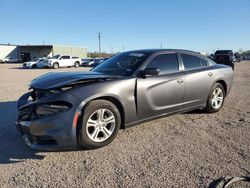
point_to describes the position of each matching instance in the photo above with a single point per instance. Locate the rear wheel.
(216, 98)
(100, 124)
(55, 65)
(77, 64)
(34, 66)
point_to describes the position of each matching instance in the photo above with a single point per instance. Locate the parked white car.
(9, 60)
(37, 63)
(62, 61)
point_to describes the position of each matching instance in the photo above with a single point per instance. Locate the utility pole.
(112, 50)
(99, 39)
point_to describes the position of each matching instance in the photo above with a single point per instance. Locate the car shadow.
(12, 147)
(197, 111)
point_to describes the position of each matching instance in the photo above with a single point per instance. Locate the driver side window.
(167, 63)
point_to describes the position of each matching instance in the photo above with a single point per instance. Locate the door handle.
(210, 74)
(180, 81)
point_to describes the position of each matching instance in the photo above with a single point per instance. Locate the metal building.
(30, 52)
(8, 51)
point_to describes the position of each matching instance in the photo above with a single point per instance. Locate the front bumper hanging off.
(49, 132)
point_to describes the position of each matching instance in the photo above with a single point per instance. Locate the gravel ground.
(183, 150)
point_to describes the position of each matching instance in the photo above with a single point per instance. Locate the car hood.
(57, 80)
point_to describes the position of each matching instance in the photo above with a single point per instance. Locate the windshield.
(123, 64)
(39, 60)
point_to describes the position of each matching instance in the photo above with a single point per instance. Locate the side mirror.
(150, 72)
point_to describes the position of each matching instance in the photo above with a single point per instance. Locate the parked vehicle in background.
(87, 109)
(62, 61)
(9, 60)
(93, 62)
(99, 61)
(238, 57)
(86, 61)
(37, 63)
(246, 57)
(224, 57)
(211, 56)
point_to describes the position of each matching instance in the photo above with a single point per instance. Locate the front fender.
(121, 90)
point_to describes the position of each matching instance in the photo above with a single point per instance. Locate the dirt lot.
(184, 150)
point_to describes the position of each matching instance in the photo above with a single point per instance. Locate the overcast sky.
(200, 25)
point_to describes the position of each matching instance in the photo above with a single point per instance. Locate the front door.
(162, 94)
(65, 61)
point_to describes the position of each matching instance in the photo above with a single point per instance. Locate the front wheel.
(215, 99)
(55, 65)
(101, 122)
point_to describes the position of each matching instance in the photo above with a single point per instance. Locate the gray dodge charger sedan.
(86, 109)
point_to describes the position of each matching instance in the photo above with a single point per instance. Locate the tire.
(55, 65)
(34, 66)
(214, 104)
(77, 64)
(93, 135)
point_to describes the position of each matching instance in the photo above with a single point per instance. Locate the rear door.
(199, 78)
(162, 94)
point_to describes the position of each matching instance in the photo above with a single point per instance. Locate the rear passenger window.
(167, 63)
(193, 62)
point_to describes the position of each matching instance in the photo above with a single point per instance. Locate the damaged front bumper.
(43, 126)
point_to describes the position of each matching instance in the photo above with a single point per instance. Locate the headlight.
(51, 108)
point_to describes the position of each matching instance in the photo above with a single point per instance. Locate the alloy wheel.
(100, 125)
(217, 98)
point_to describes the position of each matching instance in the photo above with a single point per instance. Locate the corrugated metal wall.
(8, 51)
(73, 51)
(36, 52)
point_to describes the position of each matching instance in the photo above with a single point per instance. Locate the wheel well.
(223, 83)
(117, 103)
(77, 62)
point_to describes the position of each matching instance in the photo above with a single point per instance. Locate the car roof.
(152, 51)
